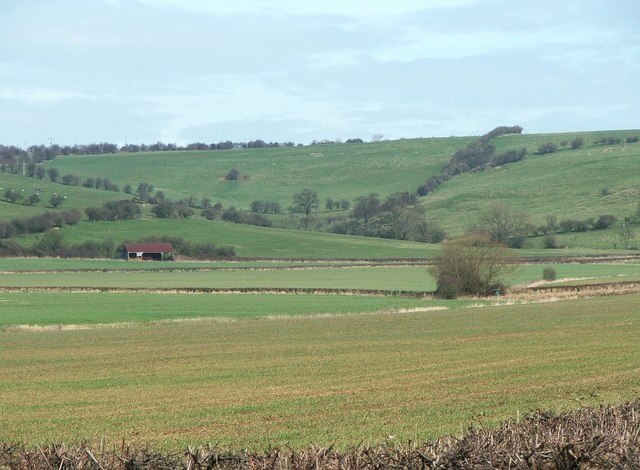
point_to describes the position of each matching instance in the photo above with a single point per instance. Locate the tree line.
(52, 244)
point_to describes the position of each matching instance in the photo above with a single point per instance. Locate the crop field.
(256, 383)
(81, 309)
(265, 275)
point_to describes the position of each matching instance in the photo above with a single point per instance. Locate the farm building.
(148, 251)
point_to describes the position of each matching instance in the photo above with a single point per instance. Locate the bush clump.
(549, 274)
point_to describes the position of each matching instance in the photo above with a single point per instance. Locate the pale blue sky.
(194, 70)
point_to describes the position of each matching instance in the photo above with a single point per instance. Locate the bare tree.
(501, 224)
(306, 203)
(472, 265)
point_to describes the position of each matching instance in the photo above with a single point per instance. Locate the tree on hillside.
(56, 200)
(11, 195)
(306, 203)
(501, 224)
(547, 147)
(365, 208)
(472, 265)
(53, 174)
(233, 175)
(144, 191)
(577, 143)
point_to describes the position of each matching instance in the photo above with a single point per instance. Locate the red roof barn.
(148, 251)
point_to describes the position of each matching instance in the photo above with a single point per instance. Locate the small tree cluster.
(504, 226)
(602, 222)
(114, 210)
(473, 265)
(51, 243)
(332, 204)
(577, 143)
(547, 147)
(213, 212)
(266, 207)
(510, 156)
(577, 225)
(477, 155)
(397, 216)
(172, 210)
(39, 223)
(13, 196)
(231, 214)
(607, 140)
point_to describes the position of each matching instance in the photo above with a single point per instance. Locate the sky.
(181, 71)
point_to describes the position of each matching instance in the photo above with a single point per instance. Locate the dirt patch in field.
(551, 293)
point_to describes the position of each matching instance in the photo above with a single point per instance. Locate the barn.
(148, 251)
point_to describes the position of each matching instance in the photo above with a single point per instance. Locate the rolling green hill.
(275, 174)
(567, 184)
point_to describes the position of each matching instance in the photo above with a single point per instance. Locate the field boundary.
(230, 290)
(566, 291)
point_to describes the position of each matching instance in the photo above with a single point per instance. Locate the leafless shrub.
(605, 437)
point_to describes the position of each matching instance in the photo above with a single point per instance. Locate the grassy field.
(249, 241)
(60, 309)
(77, 197)
(333, 380)
(275, 174)
(567, 184)
(351, 170)
(211, 275)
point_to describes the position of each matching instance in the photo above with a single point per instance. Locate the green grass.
(334, 380)
(249, 241)
(275, 174)
(80, 308)
(112, 274)
(566, 184)
(77, 197)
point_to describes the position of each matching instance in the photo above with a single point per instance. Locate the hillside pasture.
(77, 197)
(566, 184)
(248, 240)
(275, 174)
(336, 380)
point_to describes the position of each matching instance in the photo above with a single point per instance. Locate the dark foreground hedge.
(608, 437)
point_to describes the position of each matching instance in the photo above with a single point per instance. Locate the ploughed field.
(253, 370)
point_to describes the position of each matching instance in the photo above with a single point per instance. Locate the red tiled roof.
(148, 247)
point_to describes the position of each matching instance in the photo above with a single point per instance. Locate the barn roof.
(148, 247)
